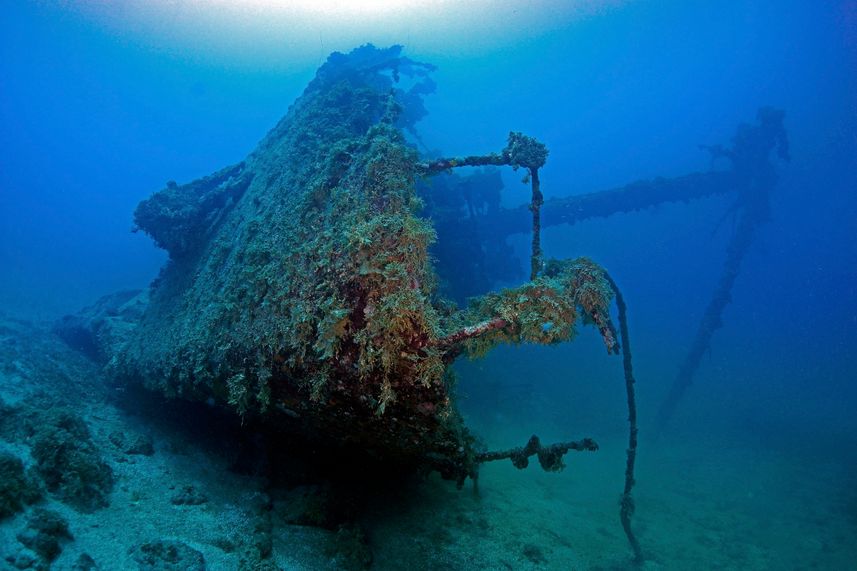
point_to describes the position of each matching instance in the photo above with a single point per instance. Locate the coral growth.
(66, 459)
(45, 533)
(17, 487)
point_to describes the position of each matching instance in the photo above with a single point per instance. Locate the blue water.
(101, 105)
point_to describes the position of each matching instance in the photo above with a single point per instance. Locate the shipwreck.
(300, 288)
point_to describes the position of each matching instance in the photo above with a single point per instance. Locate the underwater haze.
(705, 153)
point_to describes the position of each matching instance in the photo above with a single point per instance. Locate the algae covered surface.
(309, 291)
(300, 286)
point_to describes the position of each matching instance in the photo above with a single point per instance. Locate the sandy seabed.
(703, 502)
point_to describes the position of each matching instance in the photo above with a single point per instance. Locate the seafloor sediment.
(183, 484)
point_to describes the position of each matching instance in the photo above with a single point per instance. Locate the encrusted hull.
(300, 287)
